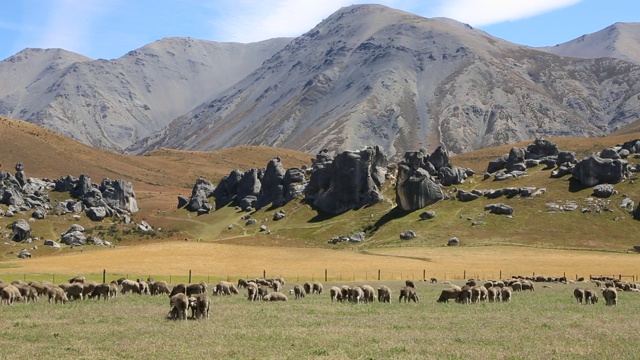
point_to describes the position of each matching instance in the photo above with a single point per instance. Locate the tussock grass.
(543, 324)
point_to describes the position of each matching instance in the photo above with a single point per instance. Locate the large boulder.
(10, 195)
(595, 170)
(609, 153)
(65, 184)
(321, 171)
(499, 209)
(52, 243)
(202, 190)
(293, 185)
(271, 184)
(250, 184)
(227, 189)
(119, 195)
(541, 148)
(415, 189)
(515, 160)
(96, 213)
(497, 164)
(440, 158)
(603, 190)
(452, 175)
(21, 230)
(465, 196)
(633, 146)
(75, 238)
(356, 178)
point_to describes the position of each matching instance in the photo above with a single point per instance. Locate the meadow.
(543, 324)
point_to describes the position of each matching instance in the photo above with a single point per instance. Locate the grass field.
(544, 324)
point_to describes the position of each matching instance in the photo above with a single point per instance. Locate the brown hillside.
(157, 176)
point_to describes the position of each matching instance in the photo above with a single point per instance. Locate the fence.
(324, 275)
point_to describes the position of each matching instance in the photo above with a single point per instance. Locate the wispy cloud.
(488, 12)
(69, 24)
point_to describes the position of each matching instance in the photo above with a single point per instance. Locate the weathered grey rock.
(609, 153)
(561, 171)
(452, 175)
(65, 184)
(20, 176)
(566, 157)
(96, 213)
(454, 241)
(182, 201)
(497, 164)
(250, 185)
(354, 182)
(440, 158)
(75, 238)
(549, 163)
(427, 215)
(466, 196)
(52, 244)
(21, 230)
(541, 148)
(278, 215)
(72, 228)
(499, 209)
(248, 203)
(500, 176)
(119, 195)
(39, 213)
(251, 222)
(633, 146)
(357, 237)
(230, 227)
(93, 240)
(515, 160)
(144, 226)
(595, 170)
(636, 248)
(477, 223)
(24, 254)
(200, 193)
(415, 189)
(10, 195)
(604, 190)
(527, 191)
(494, 194)
(263, 227)
(627, 204)
(82, 187)
(227, 189)
(408, 235)
(271, 184)
(511, 192)
(320, 175)
(530, 163)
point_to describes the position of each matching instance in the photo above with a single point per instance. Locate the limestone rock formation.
(415, 188)
(595, 170)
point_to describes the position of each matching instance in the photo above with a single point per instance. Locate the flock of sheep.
(194, 297)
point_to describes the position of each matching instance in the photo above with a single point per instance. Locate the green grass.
(543, 324)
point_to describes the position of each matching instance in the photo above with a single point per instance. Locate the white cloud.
(487, 12)
(69, 23)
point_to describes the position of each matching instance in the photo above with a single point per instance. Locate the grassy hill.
(161, 175)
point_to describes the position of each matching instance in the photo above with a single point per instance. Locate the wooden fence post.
(189, 276)
(378, 274)
(104, 276)
(325, 275)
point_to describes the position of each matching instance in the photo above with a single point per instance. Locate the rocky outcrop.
(499, 209)
(595, 170)
(415, 188)
(74, 236)
(227, 189)
(271, 184)
(200, 194)
(356, 179)
(21, 230)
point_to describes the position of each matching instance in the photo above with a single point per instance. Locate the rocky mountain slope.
(369, 74)
(620, 41)
(112, 103)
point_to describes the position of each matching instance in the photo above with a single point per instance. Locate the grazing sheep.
(178, 304)
(499, 284)
(335, 293)
(384, 294)
(130, 286)
(113, 289)
(356, 294)
(527, 285)
(275, 296)
(242, 283)
(143, 287)
(27, 293)
(475, 294)
(316, 288)
(493, 294)
(506, 294)
(579, 295)
(195, 289)
(299, 291)
(178, 289)
(10, 294)
(100, 291)
(307, 287)
(410, 283)
(281, 281)
(369, 293)
(434, 280)
(409, 294)
(464, 297)
(590, 297)
(199, 306)
(77, 279)
(57, 294)
(87, 288)
(346, 292)
(74, 292)
(516, 286)
(276, 286)
(41, 289)
(159, 287)
(252, 291)
(225, 288)
(610, 296)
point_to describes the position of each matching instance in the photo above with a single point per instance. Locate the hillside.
(112, 103)
(160, 176)
(369, 74)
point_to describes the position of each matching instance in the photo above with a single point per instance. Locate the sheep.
(275, 296)
(578, 294)
(369, 293)
(299, 291)
(335, 293)
(384, 294)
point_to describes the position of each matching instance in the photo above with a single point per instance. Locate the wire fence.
(325, 275)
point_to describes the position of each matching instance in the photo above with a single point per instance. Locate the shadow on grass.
(393, 214)
(576, 186)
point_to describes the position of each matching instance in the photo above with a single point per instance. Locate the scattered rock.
(230, 227)
(21, 230)
(477, 223)
(52, 244)
(144, 226)
(263, 227)
(466, 196)
(356, 237)
(428, 215)
(499, 209)
(182, 201)
(278, 215)
(24, 254)
(251, 222)
(39, 213)
(96, 213)
(627, 204)
(454, 241)
(408, 235)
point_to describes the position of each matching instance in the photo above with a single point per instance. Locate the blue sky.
(110, 28)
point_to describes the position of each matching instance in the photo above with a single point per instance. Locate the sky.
(108, 29)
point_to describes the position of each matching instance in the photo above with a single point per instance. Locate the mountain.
(112, 103)
(369, 74)
(620, 41)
